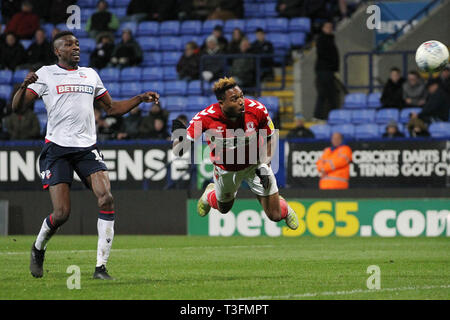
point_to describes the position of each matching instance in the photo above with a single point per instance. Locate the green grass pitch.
(180, 267)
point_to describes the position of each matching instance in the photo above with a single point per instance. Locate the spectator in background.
(414, 91)
(228, 9)
(444, 82)
(235, 44)
(40, 52)
(57, 12)
(262, 46)
(417, 128)
(212, 67)
(128, 52)
(130, 125)
(102, 54)
(159, 130)
(436, 107)
(24, 23)
(243, 68)
(147, 124)
(300, 131)
(392, 131)
(327, 63)
(138, 10)
(392, 96)
(162, 10)
(188, 65)
(107, 126)
(184, 119)
(221, 40)
(102, 20)
(12, 53)
(9, 8)
(290, 8)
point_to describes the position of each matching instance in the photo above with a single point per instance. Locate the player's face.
(68, 50)
(233, 106)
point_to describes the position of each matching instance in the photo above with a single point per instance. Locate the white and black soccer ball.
(431, 56)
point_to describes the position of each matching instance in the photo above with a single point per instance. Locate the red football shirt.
(228, 139)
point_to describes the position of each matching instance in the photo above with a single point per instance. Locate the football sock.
(105, 228)
(212, 200)
(284, 208)
(48, 229)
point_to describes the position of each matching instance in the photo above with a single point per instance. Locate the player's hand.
(263, 174)
(149, 96)
(29, 79)
(177, 124)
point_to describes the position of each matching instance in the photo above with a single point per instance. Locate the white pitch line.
(343, 293)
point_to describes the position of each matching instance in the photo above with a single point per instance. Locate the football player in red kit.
(239, 132)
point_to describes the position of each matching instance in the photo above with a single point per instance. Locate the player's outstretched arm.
(113, 107)
(23, 97)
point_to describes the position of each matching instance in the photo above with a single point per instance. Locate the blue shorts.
(57, 164)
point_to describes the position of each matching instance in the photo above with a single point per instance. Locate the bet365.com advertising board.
(322, 218)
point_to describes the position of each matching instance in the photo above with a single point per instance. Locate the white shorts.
(227, 183)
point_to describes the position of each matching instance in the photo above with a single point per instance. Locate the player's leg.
(60, 196)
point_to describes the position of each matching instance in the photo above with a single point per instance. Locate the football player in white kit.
(70, 93)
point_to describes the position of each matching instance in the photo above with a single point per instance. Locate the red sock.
(284, 208)
(212, 200)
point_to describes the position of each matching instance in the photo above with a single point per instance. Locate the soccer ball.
(431, 56)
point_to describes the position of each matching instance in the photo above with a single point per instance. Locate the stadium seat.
(321, 131)
(87, 3)
(171, 58)
(252, 24)
(187, 38)
(5, 92)
(339, 116)
(194, 88)
(439, 129)
(232, 24)
(191, 27)
(62, 27)
(208, 25)
(298, 39)
(363, 116)
(197, 103)
(42, 118)
(148, 28)
(279, 40)
(129, 89)
(270, 102)
(121, 3)
(5, 76)
(373, 100)
(48, 27)
(270, 9)
(149, 43)
(406, 113)
(152, 59)
(120, 12)
(84, 59)
(87, 44)
(130, 74)
(169, 73)
(212, 99)
(277, 24)
(251, 10)
(19, 75)
(131, 25)
(347, 130)
(156, 86)
(387, 115)
(170, 44)
(113, 89)
(152, 74)
(366, 131)
(174, 103)
(80, 33)
(355, 101)
(167, 28)
(86, 13)
(39, 106)
(300, 25)
(175, 88)
(26, 43)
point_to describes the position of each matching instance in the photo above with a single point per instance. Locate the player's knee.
(61, 215)
(106, 201)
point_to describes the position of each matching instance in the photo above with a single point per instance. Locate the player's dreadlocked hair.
(222, 85)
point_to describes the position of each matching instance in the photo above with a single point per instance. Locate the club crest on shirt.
(82, 74)
(250, 127)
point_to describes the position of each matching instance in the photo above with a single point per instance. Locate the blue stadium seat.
(406, 113)
(300, 24)
(87, 44)
(439, 129)
(84, 59)
(39, 106)
(279, 40)
(131, 25)
(197, 103)
(156, 86)
(208, 25)
(62, 27)
(347, 130)
(355, 101)
(252, 24)
(321, 131)
(152, 74)
(26, 43)
(171, 58)
(191, 27)
(48, 27)
(298, 39)
(121, 3)
(194, 87)
(232, 24)
(130, 74)
(87, 3)
(270, 102)
(5, 92)
(80, 33)
(5, 76)
(270, 9)
(251, 10)
(148, 28)
(187, 38)
(152, 59)
(366, 131)
(362, 116)
(120, 12)
(175, 88)
(373, 100)
(339, 116)
(172, 103)
(42, 118)
(386, 115)
(113, 89)
(277, 24)
(169, 73)
(212, 99)
(167, 28)
(19, 75)
(170, 44)
(86, 13)
(149, 43)
(129, 89)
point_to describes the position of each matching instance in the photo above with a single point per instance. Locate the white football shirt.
(69, 99)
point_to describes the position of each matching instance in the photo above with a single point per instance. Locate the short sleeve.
(40, 87)
(265, 122)
(100, 89)
(196, 127)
